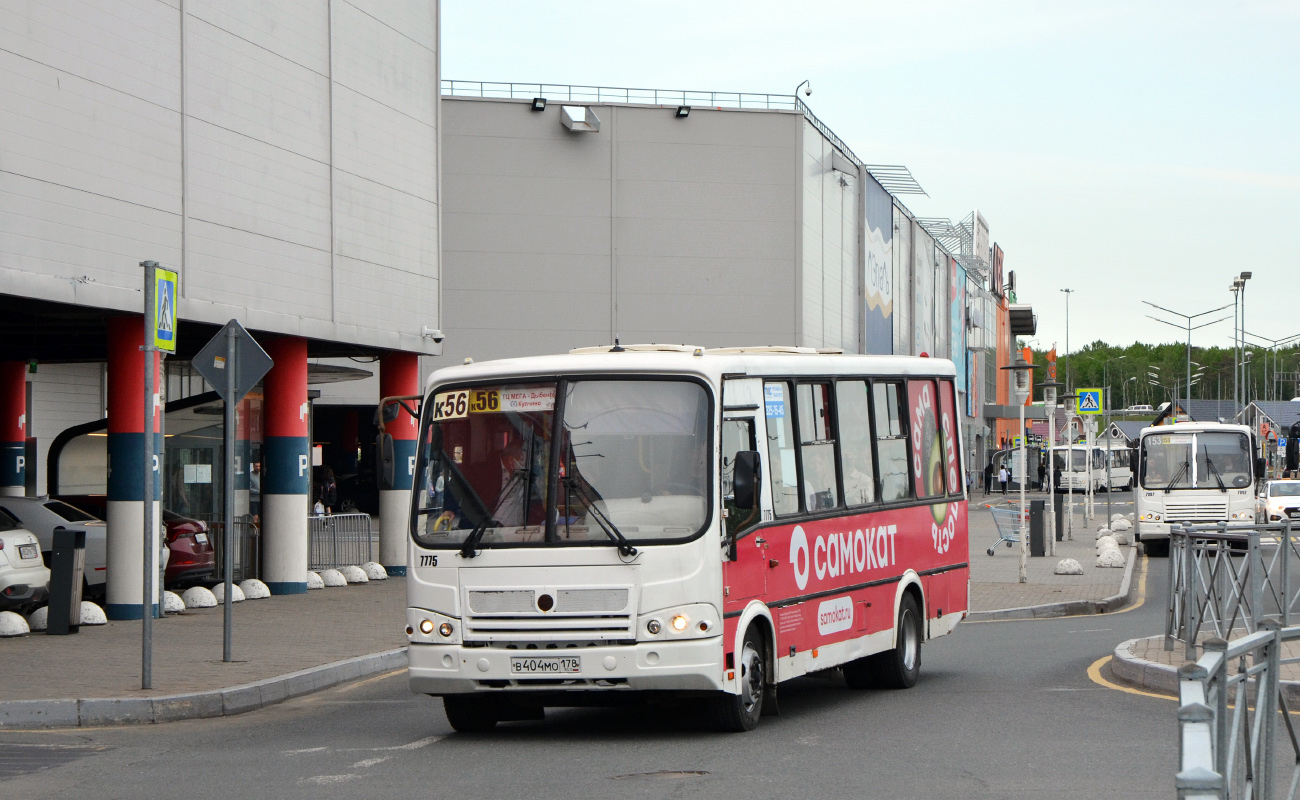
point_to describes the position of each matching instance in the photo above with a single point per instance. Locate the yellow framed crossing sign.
(163, 324)
(1090, 402)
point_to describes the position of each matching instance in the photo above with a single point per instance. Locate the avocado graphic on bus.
(934, 479)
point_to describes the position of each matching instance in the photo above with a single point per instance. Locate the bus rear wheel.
(898, 668)
(468, 713)
(737, 713)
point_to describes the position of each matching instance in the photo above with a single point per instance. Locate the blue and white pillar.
(126, 431)
(286, 475)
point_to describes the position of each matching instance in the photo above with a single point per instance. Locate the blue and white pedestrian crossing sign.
(1089, 401)
(164, 319)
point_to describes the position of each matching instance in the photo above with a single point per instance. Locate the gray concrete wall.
(283, 155)
(63, 395)
(831, 273)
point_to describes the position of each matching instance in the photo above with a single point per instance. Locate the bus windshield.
(1200, 460)
(1077, 460)
(632, 454)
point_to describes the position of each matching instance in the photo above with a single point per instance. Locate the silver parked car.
(41, 515)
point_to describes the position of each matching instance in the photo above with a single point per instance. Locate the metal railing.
(1232, 752)
(1229, 577)
(338, 540)
(565, 93)
(247, 550)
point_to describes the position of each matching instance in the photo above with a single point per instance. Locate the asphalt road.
(1003, 709)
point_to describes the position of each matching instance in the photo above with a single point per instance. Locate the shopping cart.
(1007, 519)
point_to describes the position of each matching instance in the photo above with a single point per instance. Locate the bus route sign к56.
(1089, 402)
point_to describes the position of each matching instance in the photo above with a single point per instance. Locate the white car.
(41, 515)
(1280, 500)
(24, 580)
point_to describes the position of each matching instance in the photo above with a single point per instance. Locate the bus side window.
(927, 450)
(817, 446)
(854, 407)
(891, 441)
(780, 448)
(948, 438)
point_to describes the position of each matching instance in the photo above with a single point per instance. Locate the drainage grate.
(20, 759)
(661, 775)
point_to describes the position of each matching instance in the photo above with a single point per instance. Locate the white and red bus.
(663, 519)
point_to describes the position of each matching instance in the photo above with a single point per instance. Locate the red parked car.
(192, 559)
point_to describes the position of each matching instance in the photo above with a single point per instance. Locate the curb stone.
(1070, 607)
(73, 713)
(1163, 678)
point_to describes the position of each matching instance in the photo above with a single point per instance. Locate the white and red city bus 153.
(675, 520)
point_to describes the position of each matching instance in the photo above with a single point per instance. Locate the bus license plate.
(566, 665)
(27, 551)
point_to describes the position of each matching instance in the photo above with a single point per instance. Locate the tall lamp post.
(1023, 372)
(1241, 339)
(1069, 400)
(1107, 397)
(1049, 388)
(1068, 292)
(1189, 328)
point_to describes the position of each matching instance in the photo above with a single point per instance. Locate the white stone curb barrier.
(39, 619)
(254, 589)
(333, 577)
(1111, 557)
(199, 597)
(12, 624)
(236, 594)
(92, 614)
(1068, 566)
(354, 574)
(375, 571)
(1105, 543)
(314, 581)
(172, 603)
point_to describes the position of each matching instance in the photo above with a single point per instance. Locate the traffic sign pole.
(150, 547)
(227, 620)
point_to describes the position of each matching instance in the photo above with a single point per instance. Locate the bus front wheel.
(737, 713)
(898, 668)
(468, 713)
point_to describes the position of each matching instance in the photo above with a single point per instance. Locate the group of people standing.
(1003, 476)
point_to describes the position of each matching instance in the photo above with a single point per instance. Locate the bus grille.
(1203, 511)
(579, 615)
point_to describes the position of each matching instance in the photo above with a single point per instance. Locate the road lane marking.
(415, 745)
(370, 762)
(325, 780)
(370, 680)
(1094, 674)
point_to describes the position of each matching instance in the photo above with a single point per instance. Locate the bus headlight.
(680, 622)
(694, 621)
(426, 626)
(653, 626)
(445, 629)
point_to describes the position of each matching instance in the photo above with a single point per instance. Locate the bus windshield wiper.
(467, 549)
(607, 525)
(1214, 469)
(1169, 487)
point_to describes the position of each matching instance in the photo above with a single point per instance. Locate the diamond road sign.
(1090, 401)
(251, 361)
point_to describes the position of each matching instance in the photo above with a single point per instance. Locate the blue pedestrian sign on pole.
(1089, 401)
(163, 324)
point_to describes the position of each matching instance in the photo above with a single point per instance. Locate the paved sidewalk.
(995, 579)
(272, 637)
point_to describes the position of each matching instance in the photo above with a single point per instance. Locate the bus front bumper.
(1148, 531)
(694, 665)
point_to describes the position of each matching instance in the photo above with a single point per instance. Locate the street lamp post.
(1023, 372)
(1241, 338)
(1049, 388)
(1068, 292)
(1106, 398)
(1069, 400)
(1189, 328)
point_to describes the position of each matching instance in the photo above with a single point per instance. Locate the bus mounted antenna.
(617, 348)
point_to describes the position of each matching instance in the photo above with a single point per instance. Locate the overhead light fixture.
(683, 111)
(539, 103)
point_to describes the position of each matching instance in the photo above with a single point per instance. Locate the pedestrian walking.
(1042, 475)
(1004, 475)
(988, 478)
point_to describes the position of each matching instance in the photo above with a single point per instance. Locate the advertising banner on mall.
(973, 384)
(922, 292)
(957, 318)
(879, 280)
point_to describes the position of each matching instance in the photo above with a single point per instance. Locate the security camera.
(807, 89)
(432, 333)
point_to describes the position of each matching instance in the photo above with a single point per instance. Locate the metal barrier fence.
(338, 540)
(564, 93)
(1224, 577)
(247, 550)
(1233, 754)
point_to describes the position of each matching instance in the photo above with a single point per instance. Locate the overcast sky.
(1131, 155)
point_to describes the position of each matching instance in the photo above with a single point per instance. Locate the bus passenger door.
(746, 575)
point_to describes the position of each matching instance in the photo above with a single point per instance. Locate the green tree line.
(1127, 369)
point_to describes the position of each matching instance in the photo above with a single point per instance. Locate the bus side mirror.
(385, 462)
(744, 480)
(1293, 449)
(1260, 467)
